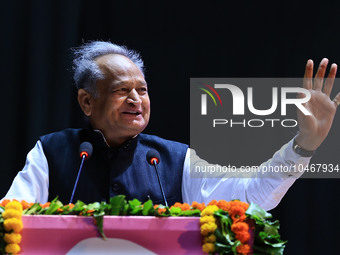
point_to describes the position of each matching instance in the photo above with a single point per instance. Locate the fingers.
(327, 89)
(336, 100)
(307, 80)
(318, 80)
(318, 83)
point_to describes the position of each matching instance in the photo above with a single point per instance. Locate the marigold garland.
(212, 217)
(236, 209)
(243, 249)
(13, 225)
(208, 227)
(12, 248)
(12, 238)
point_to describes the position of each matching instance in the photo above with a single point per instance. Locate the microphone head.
(86, 149)
(153, 156)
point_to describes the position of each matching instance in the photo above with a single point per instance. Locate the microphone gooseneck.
(153, 158)
(85, 152)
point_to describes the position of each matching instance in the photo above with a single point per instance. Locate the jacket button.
(115, 187)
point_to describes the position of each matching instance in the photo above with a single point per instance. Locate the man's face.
(122, 108)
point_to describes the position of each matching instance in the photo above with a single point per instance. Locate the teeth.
(133, 112)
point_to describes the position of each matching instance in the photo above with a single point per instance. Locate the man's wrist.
(301, 151)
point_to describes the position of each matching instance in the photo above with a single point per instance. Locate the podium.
(125, 235)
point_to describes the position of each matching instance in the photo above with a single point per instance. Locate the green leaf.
(223, 248)
(135, 207)
(237, 243)
(55, 204)
(271, 240)
(228, 236)
(93, 206)
(257, 212)
(99, 221)
(192, 213)
(135, 202)
(117, 203)
(175, 211)
(259, 250)
(125, 209)
(148, 208)
(164, 214)
(79, 206)
(271, 229)
(34, 209)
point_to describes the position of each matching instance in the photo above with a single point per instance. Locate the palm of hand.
(315, 127)
(323, 111)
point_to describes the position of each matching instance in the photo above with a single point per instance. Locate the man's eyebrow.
(141, 82)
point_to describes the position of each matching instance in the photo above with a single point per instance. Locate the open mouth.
(136, 113)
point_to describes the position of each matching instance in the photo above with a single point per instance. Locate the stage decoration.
(233, 227)
(11, 226)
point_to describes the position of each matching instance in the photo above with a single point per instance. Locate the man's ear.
(85, 101)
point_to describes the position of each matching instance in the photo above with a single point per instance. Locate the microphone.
(85, 149)
(153, 158)
(85, 152)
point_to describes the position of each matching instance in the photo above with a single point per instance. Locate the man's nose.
(133, 98)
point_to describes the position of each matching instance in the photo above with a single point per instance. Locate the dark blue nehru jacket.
(112, 171)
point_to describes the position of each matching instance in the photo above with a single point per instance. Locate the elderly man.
(113, 94)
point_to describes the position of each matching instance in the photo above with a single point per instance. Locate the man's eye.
(143, 89)
(120, 90)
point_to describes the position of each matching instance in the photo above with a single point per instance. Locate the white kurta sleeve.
(31, 183)
(267, 191)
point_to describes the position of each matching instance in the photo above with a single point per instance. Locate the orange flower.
(240, 203)
(224, 205)
(213, 202)
(243, 236)
(177, 205)
(25, 204)
(5, 202)
(237, 213)
(239, 227)
(194, 204)
(198, 206)
(243, 249)
(185, 207)
(241, 230)
(90, 211)
(161, 210)
(237, 210)
(45, 205)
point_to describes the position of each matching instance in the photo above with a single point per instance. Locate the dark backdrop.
(178, 40)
